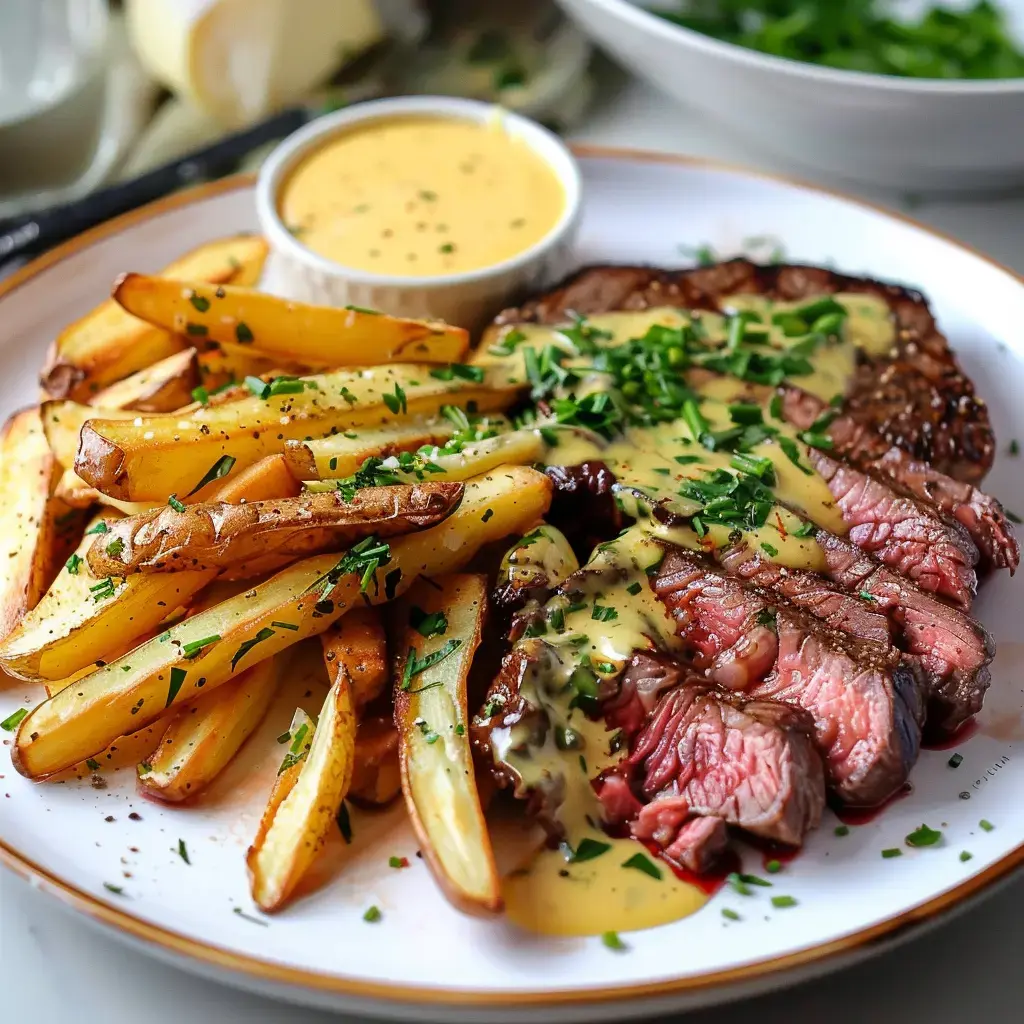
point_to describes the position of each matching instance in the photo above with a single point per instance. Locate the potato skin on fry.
(132, 692)
(218, 535)
(108, 344)
(357, 644)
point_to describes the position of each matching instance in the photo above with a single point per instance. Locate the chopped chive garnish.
(588, 849)
(611, 940)
(841, 830)
(756, 880)
(12, 721)
(783, 902)
(372, 915)
(73, 564)
(893, 851)
(641, 862)
(264, 634)
(985, 825)
(730, 915)
(956, 760)
(219, 469)
(182, 851)
(965, 856)
(242, 333)
(738, 885)
(923, 836)
(178, 506)
(773, 867)
(177, 678)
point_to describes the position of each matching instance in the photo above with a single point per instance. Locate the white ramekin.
(469, 298)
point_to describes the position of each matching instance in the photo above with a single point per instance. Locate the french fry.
(519, 448)
(203, 736)
(63, 422)
(315, 336)
(302, 810)
(339, 455)
(357, 645)
(162, 387)
(220, 366)
(300, 601)
(38, 530)
(376, 778)
(152, 456)
(258, 534)
(74, 625)
(434, 751)
(108, 344)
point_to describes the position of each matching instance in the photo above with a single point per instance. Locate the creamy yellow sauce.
(583, 646)
(422, 197)
(553, 896)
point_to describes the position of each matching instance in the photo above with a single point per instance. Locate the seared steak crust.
(916, 398)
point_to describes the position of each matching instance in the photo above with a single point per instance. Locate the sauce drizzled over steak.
(769, 475)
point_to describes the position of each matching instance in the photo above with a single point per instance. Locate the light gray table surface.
(56, 968)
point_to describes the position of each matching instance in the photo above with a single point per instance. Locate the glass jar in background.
(52, 91)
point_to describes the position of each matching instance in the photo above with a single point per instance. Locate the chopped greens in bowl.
(873, 36)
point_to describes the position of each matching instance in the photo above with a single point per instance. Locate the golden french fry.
(341, 455)
(316, 336)
(258, 534)
(162, 387)
(297, 821)
(445, 620)
(63, 422)
(519, 448)
(357, 645)
(38, 530)
(203, 736)
(108, 344)
(80, 621)
(376, 778)
(207, 649)
(152, 456)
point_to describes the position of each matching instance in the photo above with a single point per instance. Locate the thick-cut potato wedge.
(150, 457)
(263, 534)
(294, 828)
(220, 365)
(300, 601)
(357, 645)
(37, 529)
(341, 455)
(206, 734)
(162, 387)
(63, 422)
(72, 626)
(434, 751)
(108, 344)
(516, 449)
(376, 777)
(316, 336)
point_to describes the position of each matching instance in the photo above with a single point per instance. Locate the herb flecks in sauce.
(422, 196)
(685, 412)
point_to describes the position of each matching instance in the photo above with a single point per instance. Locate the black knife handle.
(33, 232)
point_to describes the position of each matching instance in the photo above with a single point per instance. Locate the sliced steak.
(692, 843)
(938, 555)
(980, 514)
(952, 647)
(915, 398)
(751, 763)
(860, 695)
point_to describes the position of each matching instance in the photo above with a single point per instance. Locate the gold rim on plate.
(267, 971)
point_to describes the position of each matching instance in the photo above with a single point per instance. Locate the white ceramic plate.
(423, 959)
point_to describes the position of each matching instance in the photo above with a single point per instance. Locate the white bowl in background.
(468, 298)
(912, 134)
